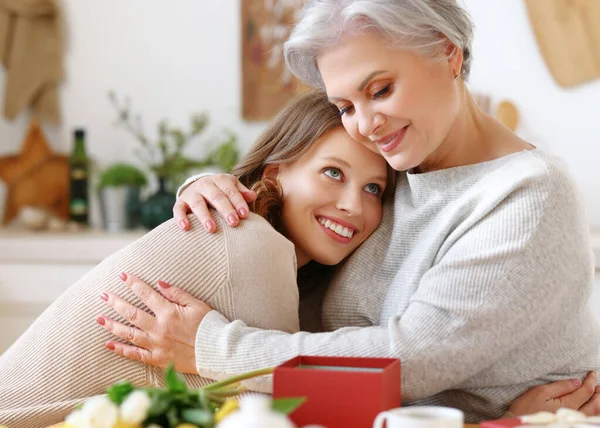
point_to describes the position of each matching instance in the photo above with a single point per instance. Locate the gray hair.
(422, 26)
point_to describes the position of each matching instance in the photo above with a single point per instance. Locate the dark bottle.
(79, 201)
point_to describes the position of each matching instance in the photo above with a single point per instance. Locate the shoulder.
(533, 175)
(255, 238)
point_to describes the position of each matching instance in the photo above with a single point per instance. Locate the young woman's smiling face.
(332, 198)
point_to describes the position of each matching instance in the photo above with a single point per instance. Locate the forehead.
(353, 59)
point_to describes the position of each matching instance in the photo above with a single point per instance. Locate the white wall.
(175, 58)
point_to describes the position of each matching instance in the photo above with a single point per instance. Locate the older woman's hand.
(167, 336)
(224, 192)
(572, 394)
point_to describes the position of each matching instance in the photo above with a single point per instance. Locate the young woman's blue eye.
(373, 188)
(334, 173)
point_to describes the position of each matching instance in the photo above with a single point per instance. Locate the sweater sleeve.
(512, 266)
(190, 180)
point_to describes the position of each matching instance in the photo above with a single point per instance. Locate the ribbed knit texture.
(61, 359)
(478, 279)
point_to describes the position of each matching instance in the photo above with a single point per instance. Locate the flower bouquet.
(175, 406)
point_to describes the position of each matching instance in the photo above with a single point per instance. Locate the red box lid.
(340, 391)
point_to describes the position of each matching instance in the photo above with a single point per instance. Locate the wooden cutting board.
(35, 177)
(568, 35)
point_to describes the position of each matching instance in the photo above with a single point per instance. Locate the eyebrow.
(368, 78)
(362, 85)
(381, 178)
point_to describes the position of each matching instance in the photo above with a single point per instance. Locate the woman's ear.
(455, 57)
(271, 171)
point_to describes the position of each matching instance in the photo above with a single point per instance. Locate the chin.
(328, 260)
(402, 162)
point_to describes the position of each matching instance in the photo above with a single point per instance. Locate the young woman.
(480, 276)
(320, 196)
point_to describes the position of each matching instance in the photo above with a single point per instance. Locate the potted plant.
(119, 191)
(164, 157)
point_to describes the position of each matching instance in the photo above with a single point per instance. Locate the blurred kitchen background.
(194, 82)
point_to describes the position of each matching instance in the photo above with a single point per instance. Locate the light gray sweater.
(478, 279)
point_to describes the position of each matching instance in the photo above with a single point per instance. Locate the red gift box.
(340, 392)
(502, 423)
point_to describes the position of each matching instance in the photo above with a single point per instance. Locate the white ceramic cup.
(420, 417)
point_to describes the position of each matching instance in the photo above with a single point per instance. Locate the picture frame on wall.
(267, 84)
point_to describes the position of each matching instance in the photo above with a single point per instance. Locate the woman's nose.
(351, 202)
(369, 122)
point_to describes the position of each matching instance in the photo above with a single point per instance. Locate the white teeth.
(337, 228)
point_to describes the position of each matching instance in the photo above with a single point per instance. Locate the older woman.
(479, 276)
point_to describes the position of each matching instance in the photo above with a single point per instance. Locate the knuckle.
(132, 314)
(231, 193)
(217, 196)
(143, 293)
(129, 335)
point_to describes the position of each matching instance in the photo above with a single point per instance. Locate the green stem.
(241, 377)
(227, 393)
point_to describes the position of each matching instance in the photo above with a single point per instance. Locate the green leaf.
(175, 381)
(198, 417)
(173, 417)
(119, 391)
(160, 403)
(287, 405)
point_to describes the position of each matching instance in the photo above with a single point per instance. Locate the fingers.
(556, 390)
(227, 199)
(581, 395)
(129, 312)
(180, 210)
(134, 353)
(592, 407)
(247, 194)
(129, 334)
(147, 295)
(177, 295)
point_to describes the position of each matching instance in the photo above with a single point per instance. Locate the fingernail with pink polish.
(104, 297)
(183, 224)
(231, 219)
(243, 212)
(110, 346)
(101, 320)
(163, 284)
(209, 225)
(123, 276)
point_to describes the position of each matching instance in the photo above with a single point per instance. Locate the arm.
(513, 279)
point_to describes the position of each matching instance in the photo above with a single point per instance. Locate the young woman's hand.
(223, 192)
(167, 336)
(572, 394)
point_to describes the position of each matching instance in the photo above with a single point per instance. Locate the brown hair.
(289, 135)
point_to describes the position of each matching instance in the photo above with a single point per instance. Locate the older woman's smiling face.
(400, 104)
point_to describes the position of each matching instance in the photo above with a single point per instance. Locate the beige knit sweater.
(246, 273)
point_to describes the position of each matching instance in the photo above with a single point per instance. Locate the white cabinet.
(35, 268)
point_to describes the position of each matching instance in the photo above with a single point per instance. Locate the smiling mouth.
(338, 229)
(392, 141)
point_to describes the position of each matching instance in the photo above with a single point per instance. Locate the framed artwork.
(267, 84)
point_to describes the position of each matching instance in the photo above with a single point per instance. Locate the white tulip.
(135, 407)
(75, 419)
(98, 412)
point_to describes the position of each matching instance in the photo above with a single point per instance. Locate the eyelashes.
(382, 93)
